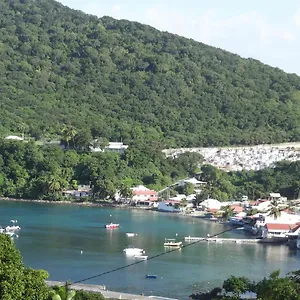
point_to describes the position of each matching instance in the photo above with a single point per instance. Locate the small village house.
(142, 194)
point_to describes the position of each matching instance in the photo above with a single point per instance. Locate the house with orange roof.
(142, 194)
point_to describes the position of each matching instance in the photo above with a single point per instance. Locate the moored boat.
(141, 257)
(298, 241)
(151, 276)
(111, 226)
(172, 243)
(130, 234)
(12, 228)
(131, 250)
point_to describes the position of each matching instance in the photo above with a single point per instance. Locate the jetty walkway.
(221, 240)
(107, 294)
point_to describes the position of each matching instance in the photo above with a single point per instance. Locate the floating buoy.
(81, 252)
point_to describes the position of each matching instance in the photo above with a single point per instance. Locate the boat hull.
(274, 240)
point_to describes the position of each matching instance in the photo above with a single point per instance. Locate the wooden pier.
(221, 240)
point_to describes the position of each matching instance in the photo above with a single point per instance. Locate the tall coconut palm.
(125, 191)
(274, 210)
(22, 127)
(68, 134)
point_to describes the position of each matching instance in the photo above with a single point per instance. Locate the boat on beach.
(133, 251)
(111, 226)
(172, 243)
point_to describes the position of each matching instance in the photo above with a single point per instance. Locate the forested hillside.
(123, 80)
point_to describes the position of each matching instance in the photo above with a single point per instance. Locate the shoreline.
(85, 203)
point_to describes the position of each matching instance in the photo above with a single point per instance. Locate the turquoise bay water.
(53, 236)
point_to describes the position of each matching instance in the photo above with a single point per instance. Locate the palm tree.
(68, 134)
(22, 127)
(228, 212)
(125, 191)
(274, 210)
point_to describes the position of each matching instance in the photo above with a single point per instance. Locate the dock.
(221, 240)
(107, 294)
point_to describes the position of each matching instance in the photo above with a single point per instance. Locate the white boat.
(141, 257)
(13, 221)
(10, 233)
(298, 241)
(12, 228)
(172, 243)
(131, 250)
(130, 234)
(236, 221)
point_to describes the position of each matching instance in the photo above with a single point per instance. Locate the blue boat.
(151, 276)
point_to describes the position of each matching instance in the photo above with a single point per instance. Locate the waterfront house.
(141, 193)
(276, 230)
(261, 205)
(80, 192)
(211, 204)
(169, 206)
(256, 222)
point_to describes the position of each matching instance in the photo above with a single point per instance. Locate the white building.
(14, 137)
(112, 146)
(141, 193)
(168, 207)
(211, 204)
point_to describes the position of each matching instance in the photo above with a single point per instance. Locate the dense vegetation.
(272, 288)
(284, 178)
(31, 171)
(43, 172)
(124, 80)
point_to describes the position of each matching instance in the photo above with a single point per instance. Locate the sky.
(267, 30)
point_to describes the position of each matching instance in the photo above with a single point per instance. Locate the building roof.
(237, 208)
(194, 181)
(275, 195)
(14, 137)
(116, 145)
(278, 226)
(140, 188)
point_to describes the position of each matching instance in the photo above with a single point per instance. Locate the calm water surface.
(53, 236)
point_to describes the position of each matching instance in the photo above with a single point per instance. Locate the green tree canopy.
(16, 281)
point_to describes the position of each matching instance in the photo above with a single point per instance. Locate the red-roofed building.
(141, 193)
(237, 208)
(277, 230)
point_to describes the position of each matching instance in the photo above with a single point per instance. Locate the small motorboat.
(133, 251)
(151, 276)
(12, 228)
(111, 226)
(141, 257)
(172, 243)
(130, 234)
(13, 221)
